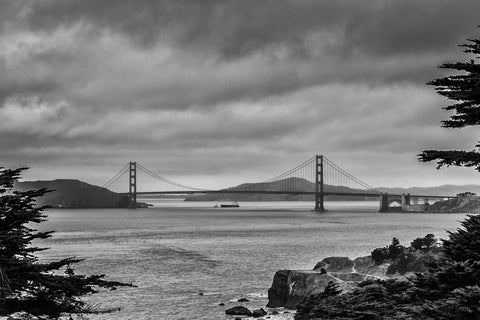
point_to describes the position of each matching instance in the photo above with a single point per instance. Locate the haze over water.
(174, 252)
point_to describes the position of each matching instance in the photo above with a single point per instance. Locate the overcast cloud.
(215, 93)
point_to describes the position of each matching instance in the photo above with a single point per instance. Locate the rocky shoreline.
(291, 287)
(251, 309)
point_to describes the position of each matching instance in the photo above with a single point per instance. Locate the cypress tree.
(464, 244)
(463, 88)
(46, 290)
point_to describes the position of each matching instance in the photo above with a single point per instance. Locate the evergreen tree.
(42, 290)
(464, 244)
(464, 89)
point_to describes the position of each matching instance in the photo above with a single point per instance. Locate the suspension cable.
(115, 177)
(153, 174)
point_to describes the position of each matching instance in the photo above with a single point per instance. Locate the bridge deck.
(359, 194)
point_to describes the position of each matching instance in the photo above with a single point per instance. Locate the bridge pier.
(132, 186)
(383, 202)
(408, 203)
(405, 201)
(319, 195)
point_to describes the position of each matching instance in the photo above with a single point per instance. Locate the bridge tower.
(319, 184)
(132, 186)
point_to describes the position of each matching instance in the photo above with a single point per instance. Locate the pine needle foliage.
(43, 290)
(463, 88)
(464, 244)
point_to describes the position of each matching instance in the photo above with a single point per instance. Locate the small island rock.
(239, 311)
(259, 313)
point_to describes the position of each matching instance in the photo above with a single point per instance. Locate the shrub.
(425, 243)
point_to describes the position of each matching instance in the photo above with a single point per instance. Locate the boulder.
(243, 300)
(239, 311)
(259, 313)
(290, 287)
(335, 264)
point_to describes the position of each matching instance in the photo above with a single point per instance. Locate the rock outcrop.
(290, 287)
(335, 264)
(279, 292)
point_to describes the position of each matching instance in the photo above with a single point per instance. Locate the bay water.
(188, 257)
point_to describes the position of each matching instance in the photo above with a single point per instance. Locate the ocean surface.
(187, 257)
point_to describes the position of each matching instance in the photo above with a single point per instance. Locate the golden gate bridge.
(318, 176)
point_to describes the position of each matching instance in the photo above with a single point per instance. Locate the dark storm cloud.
(11, 12)
(231, 83)
(30, 86)
(235, 28)
(230, 50)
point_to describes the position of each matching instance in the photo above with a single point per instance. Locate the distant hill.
(74, 194)
(77, 194)
(299, 183)
(302, 184)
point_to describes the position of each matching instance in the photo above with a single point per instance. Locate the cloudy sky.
(218, 92)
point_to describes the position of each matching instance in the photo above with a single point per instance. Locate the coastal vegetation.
(448, 287)
(30, 288)
(404, 260)
(290, 288)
